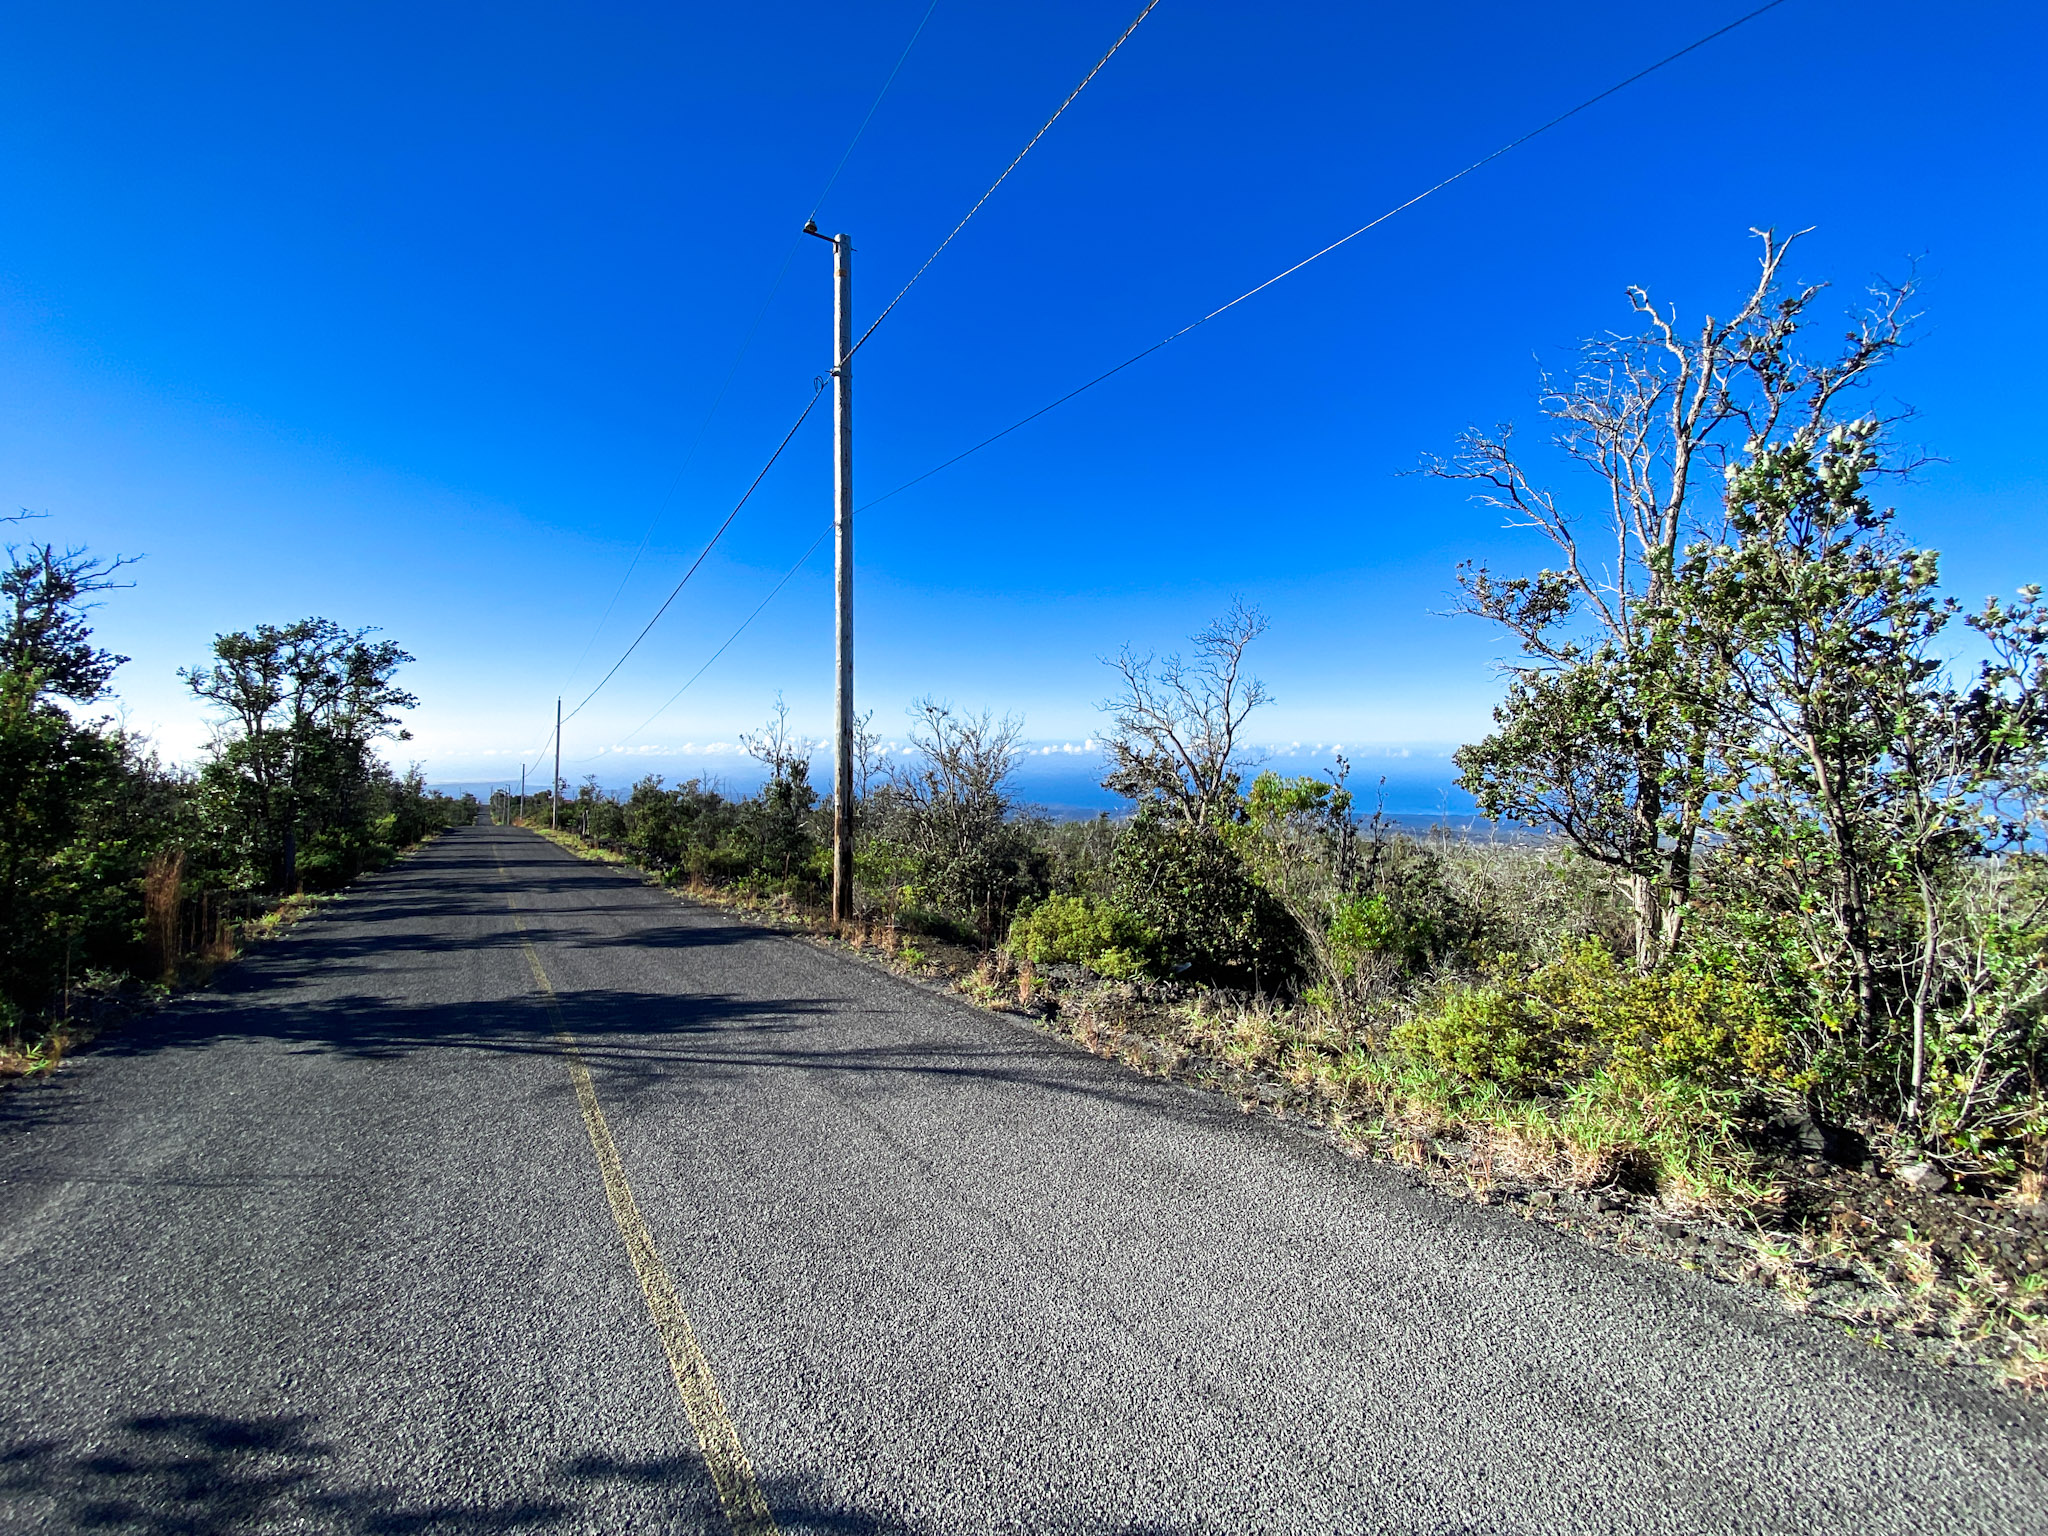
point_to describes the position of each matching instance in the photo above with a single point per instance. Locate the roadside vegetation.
(120, 875)
(1779, 957)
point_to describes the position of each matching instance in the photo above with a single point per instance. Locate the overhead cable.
(1184, 330)
(1484, 160)
(689, 458)
(746, 344)
(729, 639)
(1122, 38)
(1030, 144)
(863, 128)
(816, 394)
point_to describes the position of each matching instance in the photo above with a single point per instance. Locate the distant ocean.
(1064, 780)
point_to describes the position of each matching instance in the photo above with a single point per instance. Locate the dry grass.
(20, 1058)
(876, 935)
(576, 845)
(163, 888)
(1604, 1134)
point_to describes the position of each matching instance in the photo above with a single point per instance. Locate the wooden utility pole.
(555, 794)
(522, 794)
(842, 570)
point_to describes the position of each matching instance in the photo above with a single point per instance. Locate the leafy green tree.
(54, 773)
(46, 638)
(1611, 733)
(302, 709)
(1297, 838)
(1189, 886)
(80, 808)
(1865, 775)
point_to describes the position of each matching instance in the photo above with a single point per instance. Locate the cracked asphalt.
(326, 1248)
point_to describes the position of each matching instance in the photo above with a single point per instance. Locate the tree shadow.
(634, 1040)
(210, 1474)
(206, 1474)
(606, 1024)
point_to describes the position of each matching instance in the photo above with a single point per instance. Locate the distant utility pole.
(555, 794)
(842, 569)
(522, 792)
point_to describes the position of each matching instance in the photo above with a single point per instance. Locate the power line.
(991, 192)
(863, 128)
(787, 576)
(1043, 128)
(633, 564)
(1484, 160)
(746, 344)
(645, 629)
(689, 458)
(1163, 341)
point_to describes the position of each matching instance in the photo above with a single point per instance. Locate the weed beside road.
(104, 1000)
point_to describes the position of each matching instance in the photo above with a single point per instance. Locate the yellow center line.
(739, 1492)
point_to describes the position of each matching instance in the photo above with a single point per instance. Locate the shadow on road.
(207, 1474)
(350, 983)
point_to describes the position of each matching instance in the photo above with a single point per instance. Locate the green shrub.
(916, 914)
(718, 864)
(1078, 930)
(1124, 964)
(1694, 1025)
(1380, 930)
(1188, 886)
(1583, 1015)
(1492, 1033)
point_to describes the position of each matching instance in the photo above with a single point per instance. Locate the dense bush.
(772, 841)
(1080, 930)
(1077, 853)
(72, 847)
(1584, 1014)
(1214, 921)
(111, 864)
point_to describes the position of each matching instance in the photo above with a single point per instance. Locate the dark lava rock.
(1925, 1177)
(1797, 1135)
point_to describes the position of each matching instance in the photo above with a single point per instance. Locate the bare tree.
(951, 806)
(782, 751)
(1174, 725)
(867, 753)
(1611, 732)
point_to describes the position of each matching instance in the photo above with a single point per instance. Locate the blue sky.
(410, 316)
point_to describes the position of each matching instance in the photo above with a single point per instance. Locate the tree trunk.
(1923, 988)
(1642, 891)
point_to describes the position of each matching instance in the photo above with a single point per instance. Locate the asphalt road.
(332, 1247)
